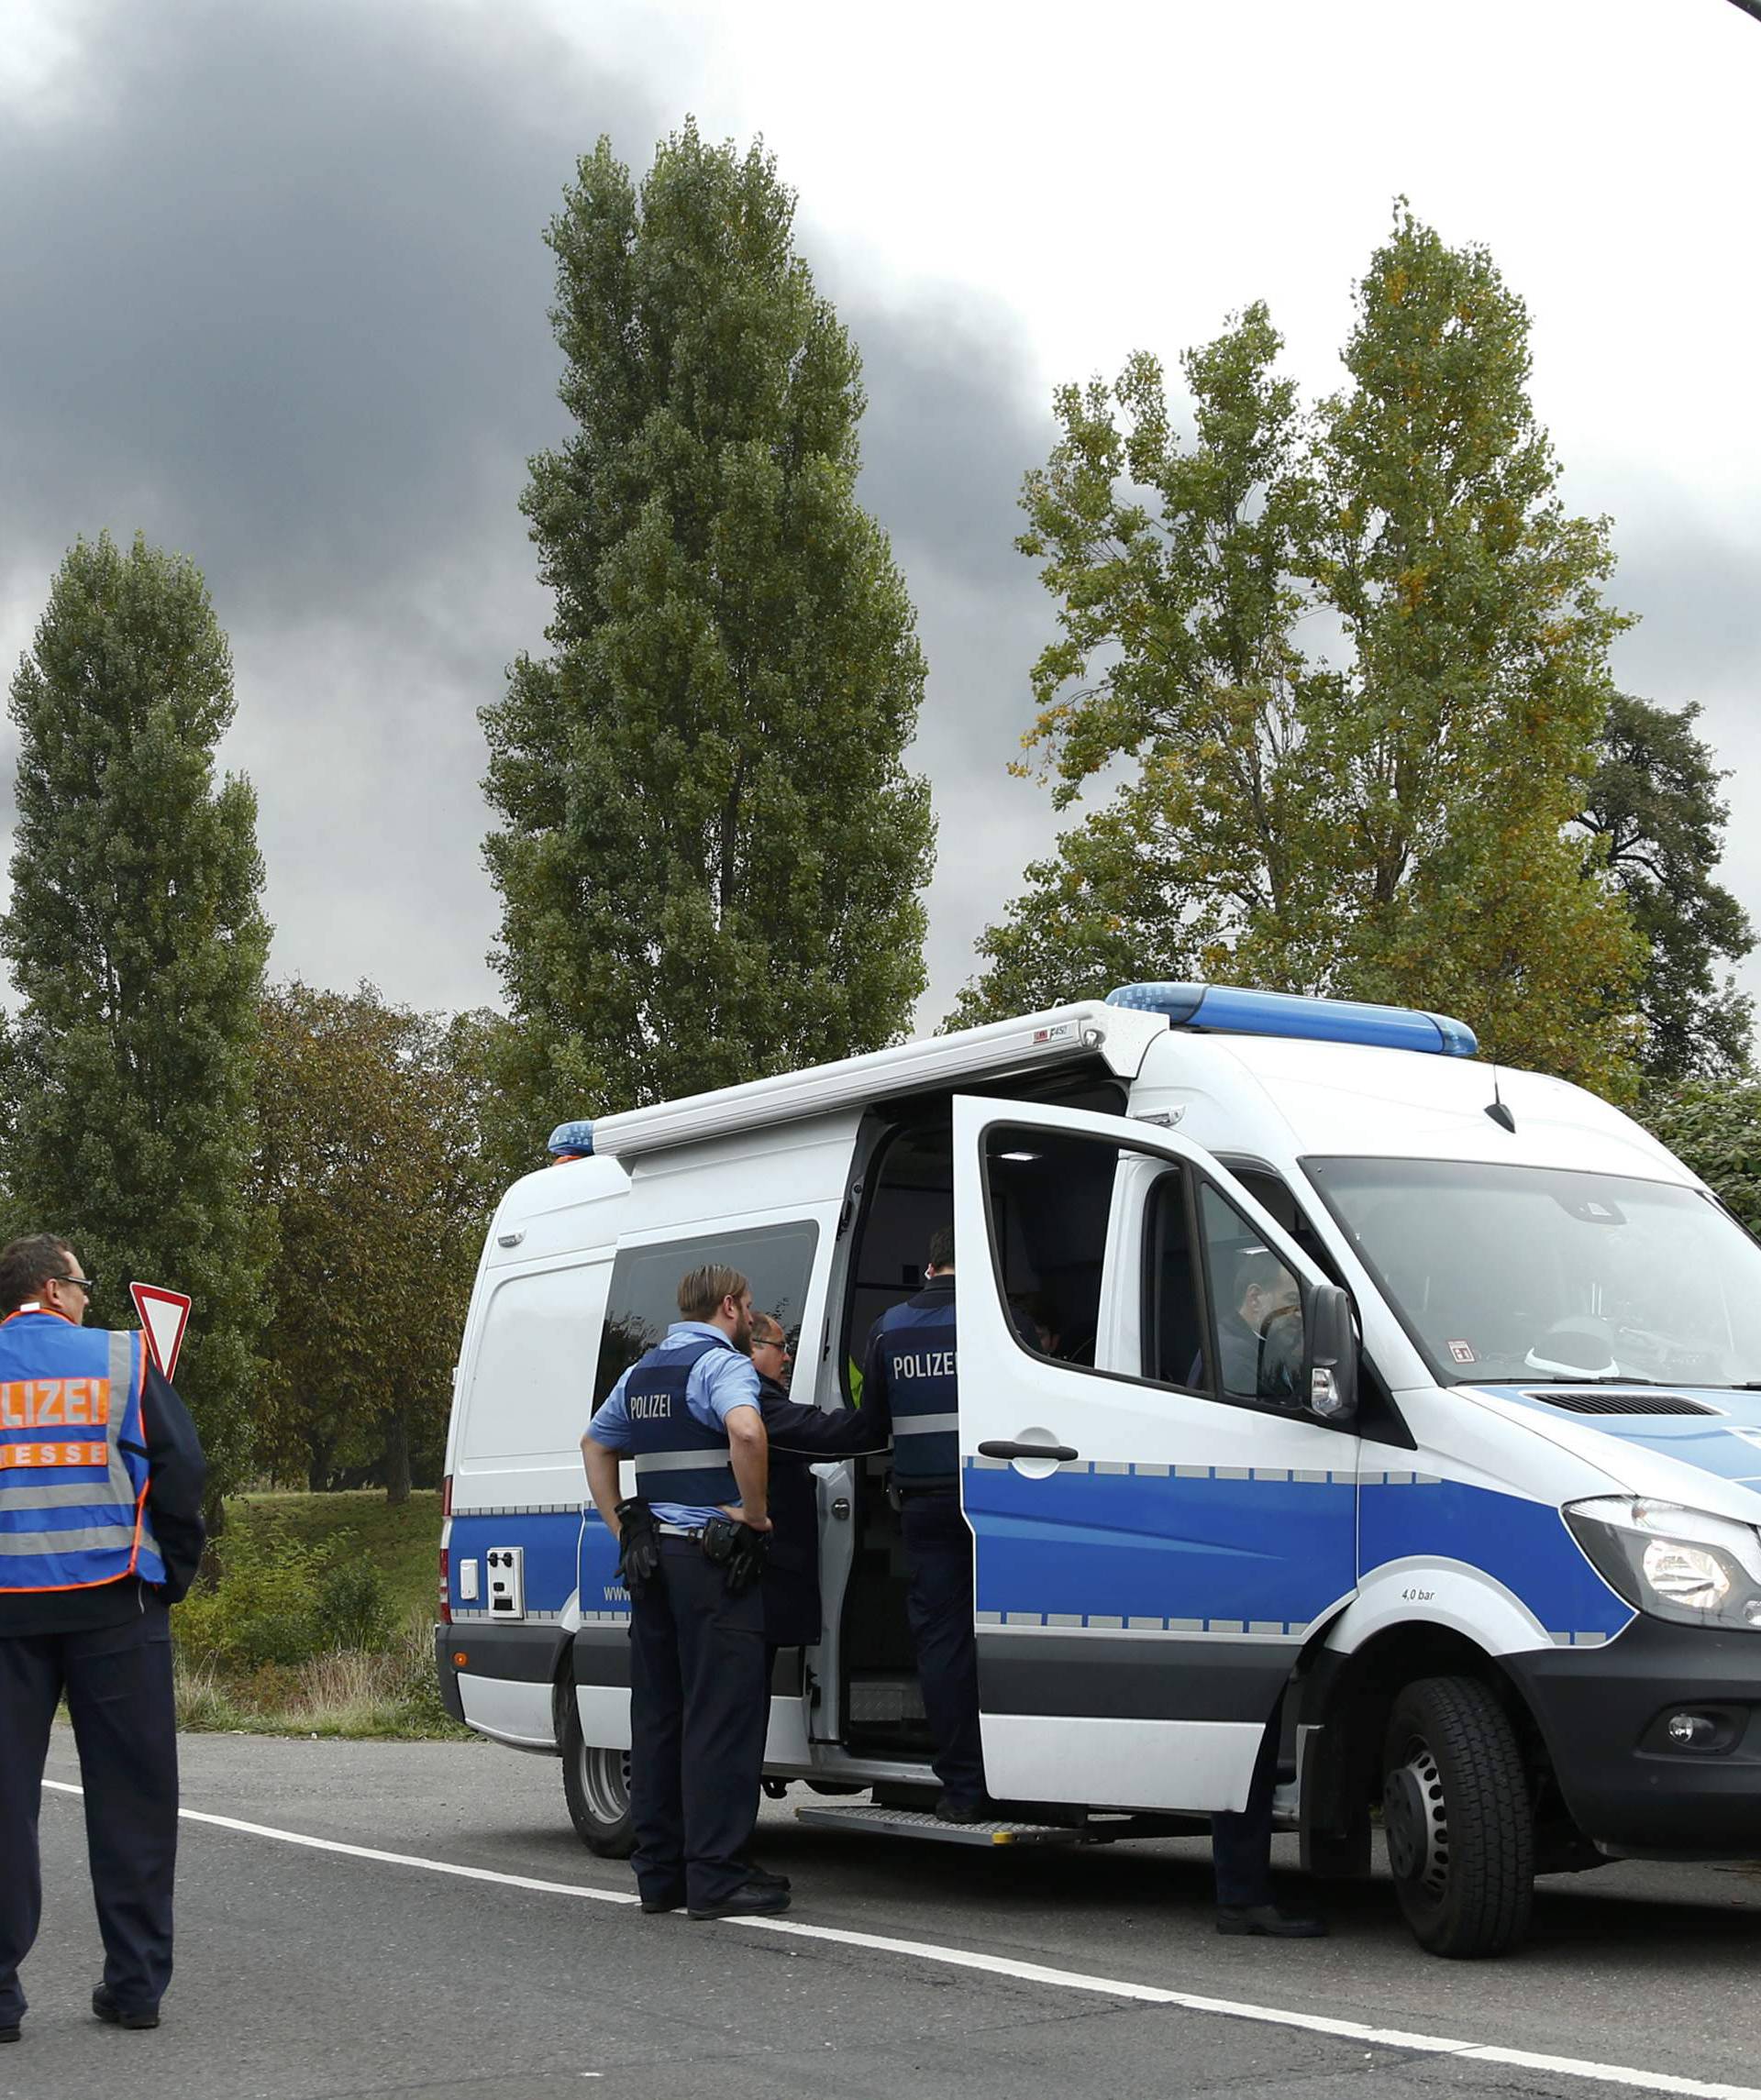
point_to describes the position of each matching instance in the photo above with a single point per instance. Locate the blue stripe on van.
(1523, 1545)
(549, 1537)
(1266, 1551)
(1719, 1445)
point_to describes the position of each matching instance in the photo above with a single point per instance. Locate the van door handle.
(1008, 1448)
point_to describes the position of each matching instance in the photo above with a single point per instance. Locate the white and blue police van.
(1413, 1401)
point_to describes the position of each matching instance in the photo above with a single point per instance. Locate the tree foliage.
(1352, 662)
(711, 851)
(369, 1157)
(1716, 1125)
(1655, 809)
(136, 945)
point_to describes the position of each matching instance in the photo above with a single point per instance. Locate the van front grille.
(1603, 1403)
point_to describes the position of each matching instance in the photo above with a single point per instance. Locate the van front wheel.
(597, 1785)
(1456, 1816)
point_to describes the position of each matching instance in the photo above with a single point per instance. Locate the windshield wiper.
(1594, 1379)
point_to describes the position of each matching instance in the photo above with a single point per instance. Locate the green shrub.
(260, 1605)
(312, 1625)
(354, 1608)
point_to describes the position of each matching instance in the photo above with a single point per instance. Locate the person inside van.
(1259, 1339)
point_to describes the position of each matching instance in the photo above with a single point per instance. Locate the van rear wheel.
(597, 1785)
(1457, 1815)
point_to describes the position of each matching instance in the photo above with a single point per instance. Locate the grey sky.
(275, 293)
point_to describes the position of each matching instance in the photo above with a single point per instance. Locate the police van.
(1487, 1545)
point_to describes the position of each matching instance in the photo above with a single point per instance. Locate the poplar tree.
(136, 946)
(711, 851)
(1352, 662)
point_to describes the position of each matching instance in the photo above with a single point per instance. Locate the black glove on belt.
(639, 1543)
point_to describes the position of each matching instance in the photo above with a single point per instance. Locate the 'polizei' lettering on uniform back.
(930, 1363)
(648, 1406)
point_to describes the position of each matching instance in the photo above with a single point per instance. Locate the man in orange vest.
(101, 1478)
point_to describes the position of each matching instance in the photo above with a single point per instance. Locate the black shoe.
(114, 2014)
(751, 1899)
(10, 2033)
(964, 1808)
(1266, 1921)
(761, 1877)
(667, 1899)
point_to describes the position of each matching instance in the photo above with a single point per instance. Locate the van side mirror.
(1330, 1355)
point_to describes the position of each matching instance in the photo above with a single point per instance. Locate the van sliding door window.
(776, 1260)
(1060, 1207)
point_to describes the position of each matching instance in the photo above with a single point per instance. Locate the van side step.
(916, 1823)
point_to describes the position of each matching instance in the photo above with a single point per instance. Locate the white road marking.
(1235, 2008)
(385, 1858)
(1032, 1972)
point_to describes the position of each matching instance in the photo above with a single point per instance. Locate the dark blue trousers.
(117, 1683)
(700, 1703)
(938, 1603)
(1241, 1840)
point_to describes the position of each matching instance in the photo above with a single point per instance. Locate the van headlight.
(1683, 1565)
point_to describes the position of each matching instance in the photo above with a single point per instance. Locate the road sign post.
(165, 1314)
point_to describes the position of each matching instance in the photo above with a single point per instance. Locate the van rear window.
(776, 1260)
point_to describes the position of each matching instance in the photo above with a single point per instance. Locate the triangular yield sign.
(165, 1314)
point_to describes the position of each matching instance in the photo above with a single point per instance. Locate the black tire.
(1456, 1816)
(597, 1785)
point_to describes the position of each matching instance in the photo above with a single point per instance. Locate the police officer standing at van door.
(912, 1369)
(101, 1479)
(692, 1551)
(799, 1434)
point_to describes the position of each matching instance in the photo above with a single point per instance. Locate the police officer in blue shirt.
(692, 1549)
(912, 1370)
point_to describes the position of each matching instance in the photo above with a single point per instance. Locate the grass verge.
(315, 1618)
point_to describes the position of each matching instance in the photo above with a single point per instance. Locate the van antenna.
(1495, 1108)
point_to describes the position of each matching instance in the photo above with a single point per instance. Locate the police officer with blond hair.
(101, 1480)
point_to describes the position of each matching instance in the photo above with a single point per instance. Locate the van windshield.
(1537, 1274)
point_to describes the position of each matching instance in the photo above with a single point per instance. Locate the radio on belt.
(505, 1569)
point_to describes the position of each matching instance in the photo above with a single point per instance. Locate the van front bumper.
(1632, 1787)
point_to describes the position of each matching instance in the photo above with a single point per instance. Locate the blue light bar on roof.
(1225, 1009)
(571, 1141)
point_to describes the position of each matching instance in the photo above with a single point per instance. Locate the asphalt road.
(314, 1974)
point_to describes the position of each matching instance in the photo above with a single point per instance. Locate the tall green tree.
(1716, 1125)
(137, 944)
(368, 1155)
(1655, 810)
(1353, 663)
(711, 851)
(1176, 568)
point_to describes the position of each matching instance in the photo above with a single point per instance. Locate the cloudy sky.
(272, 290)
